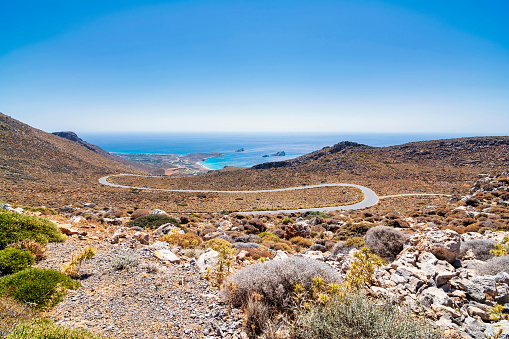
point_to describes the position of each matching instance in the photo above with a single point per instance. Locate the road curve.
(370, 197)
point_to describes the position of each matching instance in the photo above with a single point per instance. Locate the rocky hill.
(74, 137)
(33, 160)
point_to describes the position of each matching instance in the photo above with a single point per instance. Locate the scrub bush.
(15, 227)
(353, 316)
(494, 265)
(276, 280)
(480, 247)
(153, 221)
(45, 288)
(13, 260)
(385, 241)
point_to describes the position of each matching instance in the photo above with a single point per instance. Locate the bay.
(255, 145)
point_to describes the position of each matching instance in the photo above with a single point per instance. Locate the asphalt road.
(370, 197)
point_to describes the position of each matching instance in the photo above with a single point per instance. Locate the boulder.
(166, 229)
(444, 244)
(433, 295)
(67, 229)
(167, 255)
(142, 237)
(207, 260)
(159, 212)
(280, 255)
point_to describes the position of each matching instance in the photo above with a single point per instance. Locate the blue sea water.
(255, 145)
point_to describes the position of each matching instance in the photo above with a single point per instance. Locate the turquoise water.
(255, 145)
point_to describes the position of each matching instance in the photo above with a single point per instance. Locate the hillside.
(73, 137)
(35, 161)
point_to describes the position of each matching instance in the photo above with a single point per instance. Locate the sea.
(254, 146)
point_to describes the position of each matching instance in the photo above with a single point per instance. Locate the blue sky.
(260, 65)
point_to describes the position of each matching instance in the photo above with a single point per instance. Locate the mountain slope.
(74, 137)
(31, 155)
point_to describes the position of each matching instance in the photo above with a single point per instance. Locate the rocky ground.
(440, 273)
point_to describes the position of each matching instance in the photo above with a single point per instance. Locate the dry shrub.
(275, 280)
(38, 250)
(302, 242)
(385, 241)
(494, 266)
(457, 229)
(355, 242)
(257, 253)
(216, 242)
(280, 246)
(186, 240)
(480, 247)
(472, 228)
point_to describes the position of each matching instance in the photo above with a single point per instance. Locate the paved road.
(370, 197)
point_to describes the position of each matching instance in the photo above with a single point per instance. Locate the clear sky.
(259, 65)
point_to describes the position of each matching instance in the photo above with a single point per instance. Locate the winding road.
(370, 197)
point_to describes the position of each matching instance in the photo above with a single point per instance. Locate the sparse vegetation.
(38, 250)
(46, 329)
(494, 266)
(125, 262)
(275, 280)
(154, 221)
(480, 247)
(353, 316)
(13, 312)
(71, 268)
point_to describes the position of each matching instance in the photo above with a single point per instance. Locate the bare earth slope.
(33, 161)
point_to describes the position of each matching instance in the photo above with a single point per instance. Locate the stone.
(316, 255)
(159, 245)
(142, 237)
(475, 292)
(89, 205)
(166, 229)
(207, 260)
(280, 255)
(67, 229)
(159, 212)
(487, 283)
(500, 328)
(120, 233)
(405, 259)
(444, 244)
(401, 275)
(476, 312)
(474, 327)
(502, 278)
(502, 296)
(433, 295)
(167, 255)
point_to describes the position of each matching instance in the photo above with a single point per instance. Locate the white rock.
(207, 260)
(167, 255)
(158, 211)
(280, 255)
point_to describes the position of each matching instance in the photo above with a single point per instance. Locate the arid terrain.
(175, 264)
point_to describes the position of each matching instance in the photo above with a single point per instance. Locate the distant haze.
(257, 66)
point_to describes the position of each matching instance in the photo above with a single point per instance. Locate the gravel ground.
(152, 300)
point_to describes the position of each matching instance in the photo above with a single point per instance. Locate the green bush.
(45, 288)
(353, 316)
(287, 221)
(14, 227)
(154, 221)
(13, 260)
(46, 329)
